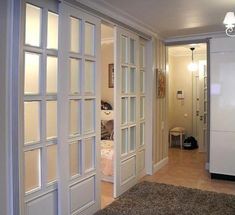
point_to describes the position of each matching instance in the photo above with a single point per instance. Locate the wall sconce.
(229, 22)
(192, 66)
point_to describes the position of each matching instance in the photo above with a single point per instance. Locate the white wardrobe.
(222, 90)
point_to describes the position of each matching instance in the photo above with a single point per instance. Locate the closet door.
(79, 153)
(127, 110)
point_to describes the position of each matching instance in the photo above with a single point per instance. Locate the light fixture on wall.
(192, 66)
(229, 22)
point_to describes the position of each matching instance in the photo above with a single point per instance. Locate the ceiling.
(184, 50)
(173, 18)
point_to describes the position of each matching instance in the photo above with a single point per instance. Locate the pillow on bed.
(107, 130)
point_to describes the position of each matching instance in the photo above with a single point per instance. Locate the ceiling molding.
(121, 16)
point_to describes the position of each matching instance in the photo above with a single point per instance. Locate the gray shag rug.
(150, 198)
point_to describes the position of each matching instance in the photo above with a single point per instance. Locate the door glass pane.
(75, 158)
(31, 122)
(33, 25)
(51, 163)
(124, 110)
(132, 138)
(75, 35)
(142, 133)
(75, 76)
(142, 82)
(52, 31)
(124, 49)
(75, 118)
(124, 141)
(124, 79)
(142, 107)
(89, 145)
(132, 80)
(32, 171)
(51, 119)
(51, 74)
(142, 55)
(31, 73)
(89, 77)
(89, 39)
(132, 109)
(132, 51)
(89, 115)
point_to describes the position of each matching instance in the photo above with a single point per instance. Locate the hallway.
(184, 168)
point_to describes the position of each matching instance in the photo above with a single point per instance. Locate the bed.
(107, 145)
(107, 154)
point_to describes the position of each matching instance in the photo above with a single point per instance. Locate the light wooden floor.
(184, 168)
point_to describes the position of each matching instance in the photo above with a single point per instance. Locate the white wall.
(3, 107)
(180, 78)
(107, 57)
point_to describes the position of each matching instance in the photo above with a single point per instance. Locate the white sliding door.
(129, 110)
(60, 110)
(80, 105)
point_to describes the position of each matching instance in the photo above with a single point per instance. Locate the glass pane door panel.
(142, 107)
(132, 51)
(89, 115)
(142, 133)
(33, 25)
(31, 73)
(124, 79)
(75, 117)
(124, 49)
(89, 77)
(132, 138)
(89, 145)
(75, 158)
(75, 66)
(31, 122)
(142, 82)
(132, 109)
(52, 31)
(124, 110)
(89, 39)
(132, 80)
(75, 35)
(124, 141)
(51, 163)
(32, 163)
(52, 74)
(51, 119)
(142, 56)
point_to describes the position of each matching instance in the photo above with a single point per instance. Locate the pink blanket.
(107, 157)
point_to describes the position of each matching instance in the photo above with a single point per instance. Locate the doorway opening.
(107, 114)
(188, 96)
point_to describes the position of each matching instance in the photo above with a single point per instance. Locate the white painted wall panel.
(128, 169)
(222, 44)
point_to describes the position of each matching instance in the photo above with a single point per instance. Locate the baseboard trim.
(222, 177)
(160, 164)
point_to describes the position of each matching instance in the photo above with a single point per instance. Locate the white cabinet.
(222, 108)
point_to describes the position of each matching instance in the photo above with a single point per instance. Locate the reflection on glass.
(31, 122)
(51, 163)
(89, 77)
(132, 80)
(31, 73)
(32, 171)
(74, 76)
(132, 109)
(51, 119)
(132, 138)
(89, 113)
(124, 141)
(52, 31)
(142, 81)
(124, 49)
(132, 51)
(75, 158)
(124, 79)
(89, 39)
(89, 145)
(74, 117)
(124, 110)
(51, 74)
(142, 107)
(33, 25)
(75, 37)
(142, 133)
